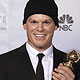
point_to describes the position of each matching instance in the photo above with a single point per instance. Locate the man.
(40, 22)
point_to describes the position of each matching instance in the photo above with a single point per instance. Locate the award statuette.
(72, 57)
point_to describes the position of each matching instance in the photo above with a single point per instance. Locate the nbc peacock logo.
(65, 22)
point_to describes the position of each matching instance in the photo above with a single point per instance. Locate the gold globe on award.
(72, 57)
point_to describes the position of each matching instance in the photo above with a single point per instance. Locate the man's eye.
(47, 22)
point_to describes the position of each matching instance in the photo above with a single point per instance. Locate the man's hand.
(63, 73)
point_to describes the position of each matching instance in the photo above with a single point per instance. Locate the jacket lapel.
(59, 57)
(26, 63)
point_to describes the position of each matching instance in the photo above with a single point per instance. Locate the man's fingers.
(63, 73)
(57, 76)
(67, 69)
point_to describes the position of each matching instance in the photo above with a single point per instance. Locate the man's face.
(40, 29)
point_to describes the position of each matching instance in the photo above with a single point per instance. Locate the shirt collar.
(33, 52)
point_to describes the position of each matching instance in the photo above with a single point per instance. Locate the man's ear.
(56, 27)
(24, 26)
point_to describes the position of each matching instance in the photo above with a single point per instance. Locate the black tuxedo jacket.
(16, 64)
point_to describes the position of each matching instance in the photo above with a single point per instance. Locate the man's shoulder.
(58, 51)
(59, 54)
(13, 52)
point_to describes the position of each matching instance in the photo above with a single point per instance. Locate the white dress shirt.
(47, 60)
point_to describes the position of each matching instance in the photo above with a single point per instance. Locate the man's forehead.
(39, 16)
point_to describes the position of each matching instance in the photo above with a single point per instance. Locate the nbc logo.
(65, 22)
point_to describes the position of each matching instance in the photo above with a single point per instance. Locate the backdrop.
(12, 34)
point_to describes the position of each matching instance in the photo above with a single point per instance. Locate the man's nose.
(40, 27)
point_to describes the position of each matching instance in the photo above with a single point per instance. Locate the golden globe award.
(72, 57)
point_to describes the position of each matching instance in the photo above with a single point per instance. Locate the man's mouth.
(40, 36)
(37, 35)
